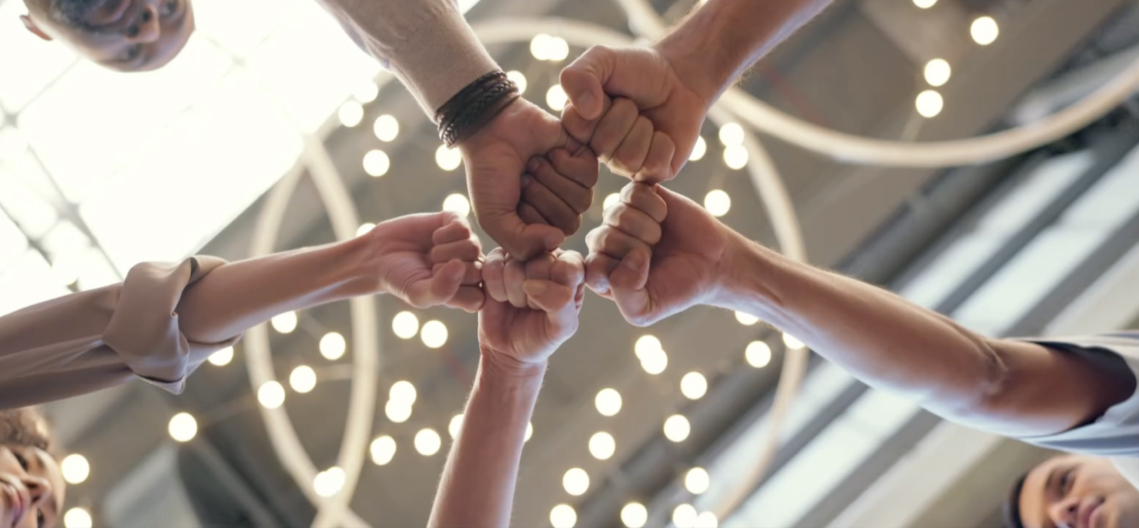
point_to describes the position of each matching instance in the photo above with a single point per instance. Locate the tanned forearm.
(237, 296)
(722, 38)
(477, 488)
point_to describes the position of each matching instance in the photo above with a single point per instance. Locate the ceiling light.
(75, 468)
(284, 323)
(382, 450)
(608, 402)
(366, 91)
(758, 354)
(402, 392)
(717, 202)
(386, 128)
(676, 428)
(458, 204)
(634, 515)
(984, 30)
(746, 319)
(350, 114)
(924, 4)
(558, 49)
(222, 357)
(563, 516)
(791, 342)
(654, 362)
(693, 385)
(333, 346)
(455, 426)
(377, 163)
(698, 150)
(271, 395)
(365, 228)
(735, 157)
(646, 344)
(518, 79)
(706, 520)
(602, 445)
(303, 379)
(576, 481)
(183, 427)
(427, 442)
(77, 518)
(684, 516)
(540, 47)
(447, 158)
(405, 325)
(434, 334)
(696, 481)
(329, 482)
(529, 432)
(731, 134)
(397, 412)
(929, 103)
(937, 72)
(556, 98)
(611, 200)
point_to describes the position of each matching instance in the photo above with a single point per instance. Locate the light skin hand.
(429, 260)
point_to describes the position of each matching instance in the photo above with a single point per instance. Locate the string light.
(563, 516)
(382, 450)
(746, 319)
(328, 482)
(405, 325)
(434, 334)
(735, 157)
(611, 200)
(284, 323)
(350, 114)
(427, 442)
(458, 204)
(706, 520)
(693, 385)
(333, 346)
(366, 91)
(271, 395)
(447, 158)
(518, 79)
(696, 481)
(386, 128)
(576, 481)
(984, 30)
(402, 392)
(556, 98)
(698, 150)
(455, 426)
(717, 202)
(791, 342)
(608, 402)
(377, 163)
(602, 445)
(303, 379)
(929, 103)
(758, 354)
(77, 518)
(684, 516)
(677, 428)
(365, 228)
(222, 357)
(396, 412)
(732, 134)
(75, 468)
(937, 72)
(182, 427)
(634, 515)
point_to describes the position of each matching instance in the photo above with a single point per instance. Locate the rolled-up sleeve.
(92, 340)
(426, 43)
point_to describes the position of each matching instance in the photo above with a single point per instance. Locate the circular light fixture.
(458, 204)
(634, 515)
(758, 354)
(284, 323)
(791, 342)
(717, 202)
(434, 334)
(448, 158)
(77, 518)
(602, 445)
(746, 319)
(563, 516)
(386, 128)
(377, 163)
(731, 134)
(518, 79)
(427, 442)
(929, 103)
(271, 395)
(75, 468)
(333, 346)
(576, 482)
(696, 481)
(303, 379)
(382, 450)
(937, 72)
(699, 149)
(405, 325)
(222, 357)
(677, 428)
(350, 114)
(984, 30)
(556, 98)
(183, 427)
(608, 402)
(693, 385)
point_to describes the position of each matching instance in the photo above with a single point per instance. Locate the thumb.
(444, 284)
(550, 296)
(520, 239)
(627, 284)
(584, 79)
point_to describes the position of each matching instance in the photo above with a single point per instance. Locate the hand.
(656, 254)
(649, 79)
(531, 308)
(497, 156)
(623, 139)
(428, 260)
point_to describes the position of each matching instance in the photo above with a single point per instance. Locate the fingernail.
(534, 287)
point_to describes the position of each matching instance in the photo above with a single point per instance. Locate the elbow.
(991, 382)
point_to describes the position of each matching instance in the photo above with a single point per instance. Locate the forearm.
(477, 488)
(237, 296)
(721, 39)
(876, 335)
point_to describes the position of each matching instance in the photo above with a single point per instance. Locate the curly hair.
(25, 427)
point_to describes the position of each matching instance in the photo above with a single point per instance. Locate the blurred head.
(1073, 491)
(31, 484)
(124, 35)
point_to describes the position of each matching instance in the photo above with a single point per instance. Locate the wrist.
(356, 268)
(500, 369)
(706, 75)
(745, 278)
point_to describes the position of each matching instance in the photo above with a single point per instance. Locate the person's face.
(1078, 492)
(31, 488)
(124, 35)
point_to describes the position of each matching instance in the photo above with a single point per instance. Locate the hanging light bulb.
(758, 354)
(929, 103)
(634, 515)
(222, 357)
(405, 325)
(563, 516)
(518, 79)
(576, 481)
(448, 158)
(382, 450)
(698, 150)
(556, 98)
(937, 72)
(284, 323)
(717, 202)
(303, 379)
(984, 30)
(271, 395)
(677, 428)
(608, 402)
(693, 385)
(333, 346)
(696, 481)
(183, 427)
(602, 445)
(75, 468)
(386, 128)
(377, 163)
(350, 114)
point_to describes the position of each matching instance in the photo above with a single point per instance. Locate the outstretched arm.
(518, 331)
(1005, 386)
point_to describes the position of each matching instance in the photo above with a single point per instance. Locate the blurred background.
(635, 427)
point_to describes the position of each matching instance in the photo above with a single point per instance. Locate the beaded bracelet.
(474, 106)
